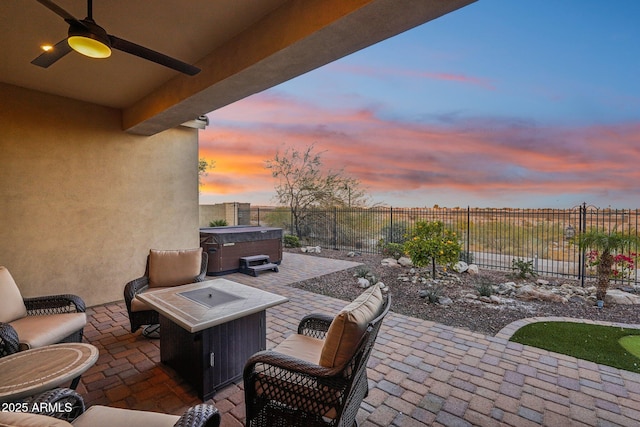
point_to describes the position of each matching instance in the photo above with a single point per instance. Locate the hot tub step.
(255, 263)
(254, 269)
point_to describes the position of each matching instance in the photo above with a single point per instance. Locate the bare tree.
(302, 184)
(203, 167)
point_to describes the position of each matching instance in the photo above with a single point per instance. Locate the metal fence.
(492, 237)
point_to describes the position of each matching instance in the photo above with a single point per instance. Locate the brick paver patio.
(421, 373)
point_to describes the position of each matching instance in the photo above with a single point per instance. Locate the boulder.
(390, 262)
(405, 262)
(460, 266)
(617, 296)
(473, 269)
(363, 283)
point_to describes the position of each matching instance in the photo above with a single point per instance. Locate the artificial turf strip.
(631, 343)
(595, 343)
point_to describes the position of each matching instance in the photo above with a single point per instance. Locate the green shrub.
(362, 271)
(219, 223)
(432, 293)
(291, 241)
(522, 268)
(395, 250)
(485, 288)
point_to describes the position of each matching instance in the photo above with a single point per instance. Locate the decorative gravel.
(476, 316)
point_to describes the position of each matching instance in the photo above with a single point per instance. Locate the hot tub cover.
(222, 235)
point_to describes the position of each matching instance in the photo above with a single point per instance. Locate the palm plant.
(607, 246)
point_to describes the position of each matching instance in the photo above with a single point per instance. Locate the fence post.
(335, 228)
(468, 243)
(258, 216)
(581, 230)
(391, 237)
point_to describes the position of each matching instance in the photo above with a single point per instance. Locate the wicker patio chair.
(64, 407)
(163, 269)
(289, 386)
(35, 322)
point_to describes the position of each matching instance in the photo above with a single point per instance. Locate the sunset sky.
(528, 103)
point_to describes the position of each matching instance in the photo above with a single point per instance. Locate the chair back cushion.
(11, 303)
(174, 268)
(348, 326)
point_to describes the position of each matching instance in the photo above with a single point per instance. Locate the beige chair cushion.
(11, 304)
(25, 419)
(38, 331)
(348, 327)
(301, 347)
(173, 268)
(138, 305)
(308, 349)
(98, 416)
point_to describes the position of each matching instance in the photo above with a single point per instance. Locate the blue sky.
(502, 103)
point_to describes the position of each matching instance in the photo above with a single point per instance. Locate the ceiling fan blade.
(152, 55)
(59, 11)
(49, 57)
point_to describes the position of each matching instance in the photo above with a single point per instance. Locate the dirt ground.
(476, 316)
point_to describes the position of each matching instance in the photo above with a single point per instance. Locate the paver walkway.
(420, 372)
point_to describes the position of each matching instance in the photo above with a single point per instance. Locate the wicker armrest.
(8, 340)
(61, 403)
(203, 268)
(134, 287)
(315, 325)
(53, 304)
(199, 416)
(278, 364)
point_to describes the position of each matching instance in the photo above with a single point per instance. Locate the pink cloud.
(384, 73)
(483, 157)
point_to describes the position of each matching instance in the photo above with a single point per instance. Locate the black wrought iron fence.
(493, 238)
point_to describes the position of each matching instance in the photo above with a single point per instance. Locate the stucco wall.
(233, 213)
(81, 201)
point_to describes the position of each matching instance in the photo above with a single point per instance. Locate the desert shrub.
(218, 223)
(362, 271)
(523, 269)
(484, 288)
(291, 241)
(432, 293)
(395, 250)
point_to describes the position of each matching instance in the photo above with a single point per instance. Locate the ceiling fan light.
(89, 46)
(89, 39)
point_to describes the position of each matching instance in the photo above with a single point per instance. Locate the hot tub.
(225, 246)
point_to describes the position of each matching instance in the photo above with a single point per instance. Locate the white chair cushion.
(174, 268)
(98, 416)
(11, 304)
(38, 331)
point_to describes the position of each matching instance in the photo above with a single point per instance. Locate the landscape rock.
(473, 269)
(460, 266)
(445, 301)
(363, 283)
(405, 262)
(390, 262)
(542, 282)
(618, 296)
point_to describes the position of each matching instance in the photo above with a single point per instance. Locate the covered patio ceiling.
(241, 46)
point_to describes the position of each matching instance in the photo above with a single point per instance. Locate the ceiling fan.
(90, 39)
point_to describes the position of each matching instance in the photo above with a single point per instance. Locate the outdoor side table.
(33, 371)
